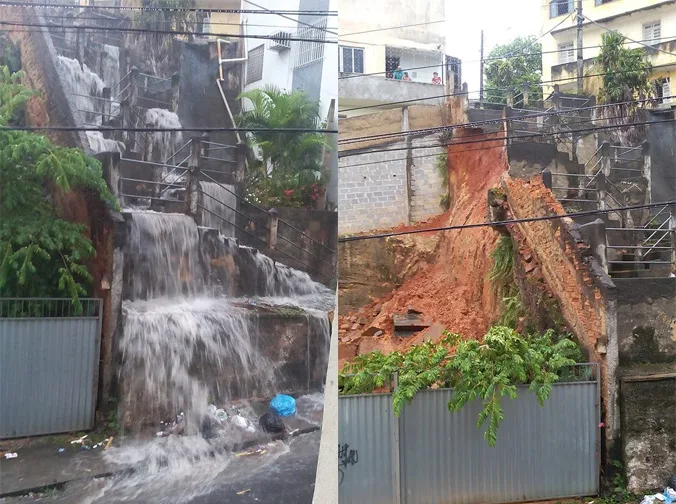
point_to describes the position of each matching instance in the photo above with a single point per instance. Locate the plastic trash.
(283, 405)
(668, 495)
(271, 422)
(220, 415)
(11, 455)
(648, 499)
(243, 423)
(61, 450)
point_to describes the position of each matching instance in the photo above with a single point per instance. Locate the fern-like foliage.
(41, 255)
(486, 370)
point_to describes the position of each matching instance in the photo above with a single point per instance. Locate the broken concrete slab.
(406, 324)
(371, 331)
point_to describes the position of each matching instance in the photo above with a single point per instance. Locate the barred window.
(254, 71)
(311, 48)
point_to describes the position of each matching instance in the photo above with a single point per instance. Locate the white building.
(292, 65)
(378, 36)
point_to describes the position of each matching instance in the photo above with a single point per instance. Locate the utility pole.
(580, 60)
(481, 71)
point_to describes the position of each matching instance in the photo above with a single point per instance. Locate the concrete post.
(193, 187)
(601, 191)
(547, 179)
(240, 167)
(647, 171)
(510, 98)
(106, 107)
(506, 114)
(80, 45)
(672, 233)
(605, 158)
(526, 94)
(175, 91)
(273, 222)
(133, 86)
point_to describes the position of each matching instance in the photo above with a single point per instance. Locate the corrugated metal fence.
(49, 354)
(431, 456)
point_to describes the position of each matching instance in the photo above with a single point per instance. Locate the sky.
(501, 21)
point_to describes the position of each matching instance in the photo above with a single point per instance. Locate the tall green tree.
(41, 255)
(510, 66)
(627, 72)
(289, 167)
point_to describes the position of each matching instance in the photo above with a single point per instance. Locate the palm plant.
(289, 168)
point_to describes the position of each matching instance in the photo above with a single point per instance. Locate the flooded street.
(283, 473)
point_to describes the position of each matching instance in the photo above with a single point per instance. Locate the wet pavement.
(179, 472)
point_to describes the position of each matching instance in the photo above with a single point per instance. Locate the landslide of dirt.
(453, 291)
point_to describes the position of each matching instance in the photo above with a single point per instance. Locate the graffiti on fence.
(346, 458)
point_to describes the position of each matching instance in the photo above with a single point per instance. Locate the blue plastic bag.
(283, 405)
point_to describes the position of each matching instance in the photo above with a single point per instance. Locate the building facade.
(370, 51)
(649, 22)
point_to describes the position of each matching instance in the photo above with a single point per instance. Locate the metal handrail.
(265, 211)
(665, 207)
(264, 226)
(659, 228)
(176, 152)
(232, 224)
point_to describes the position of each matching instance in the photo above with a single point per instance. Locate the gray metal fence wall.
(49, 357)
(430, 456)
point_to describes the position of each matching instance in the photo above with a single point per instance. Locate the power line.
(166, 130)
(291, 19)
(95, 29)
(505, 222)
(388, 28)
(455, 152)
(168, 9)
(159, 21)
(518, 137)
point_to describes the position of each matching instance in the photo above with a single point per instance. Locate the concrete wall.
(649, 432)
(373, 195)
(378, 190)
(646, 320)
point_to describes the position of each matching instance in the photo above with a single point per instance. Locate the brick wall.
(585, 293)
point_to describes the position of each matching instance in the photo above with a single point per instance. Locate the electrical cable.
(571, 215)
(95, 29)
(167, 9)
(166, 130)
(439, 129)
(518, 137)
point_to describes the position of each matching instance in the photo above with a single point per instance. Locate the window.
(254, 68)
(566, 53)
(351, 60)
(311, 48)
(663, 90)
(652, 32)
(560, 7)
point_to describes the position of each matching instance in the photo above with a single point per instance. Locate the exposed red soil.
(453, 291)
